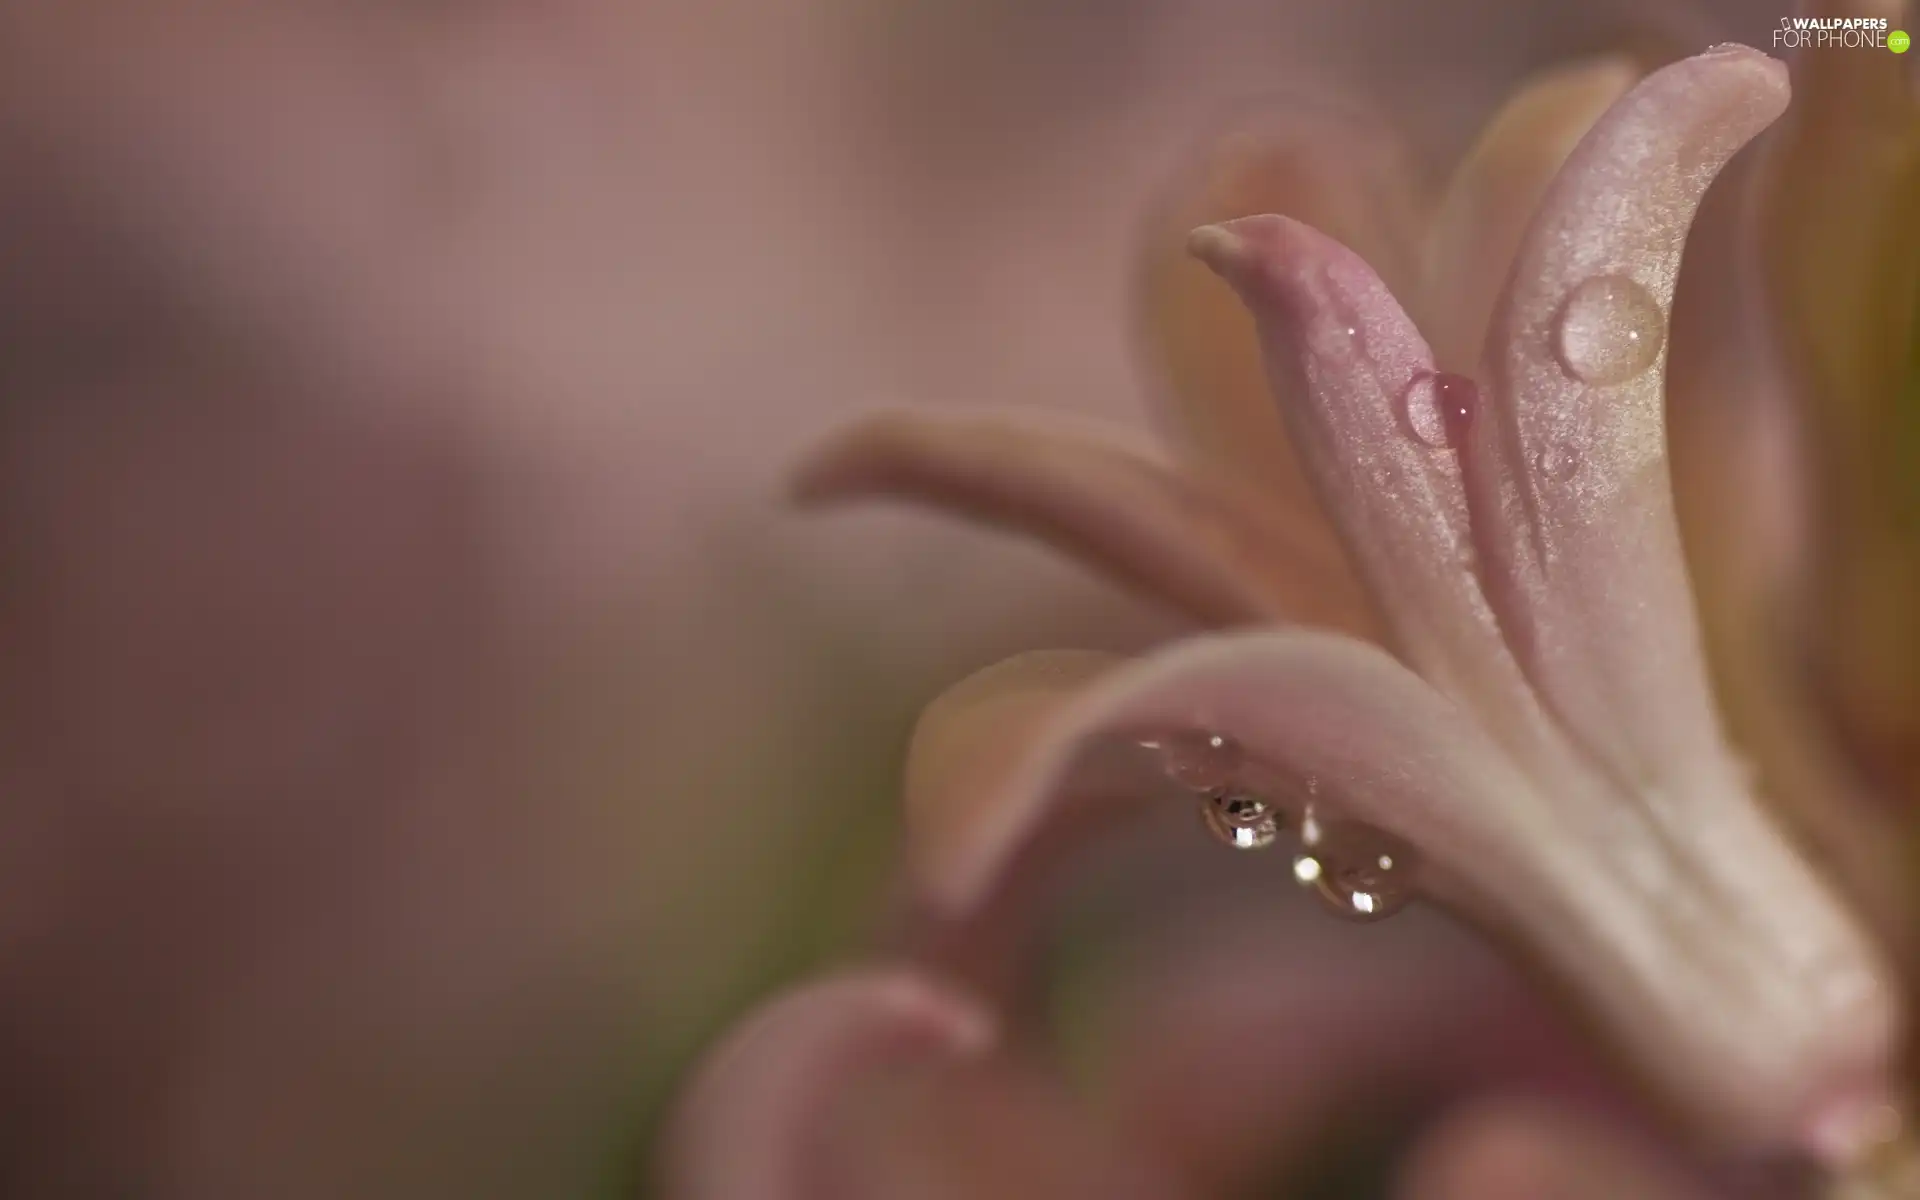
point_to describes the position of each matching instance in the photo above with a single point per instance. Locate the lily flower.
(1505, 706)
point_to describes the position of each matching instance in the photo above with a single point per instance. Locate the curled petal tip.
(753, 1119)
(1259, 256)
(1316, 303)
(1772, 72)
(848, 462)
(969, 740)
(933, 1018)
(1218, 247)
(1249, 250)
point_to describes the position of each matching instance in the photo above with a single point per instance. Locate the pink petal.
(978, 731)
(1002, 1130)
(1517, 1149)
(1346, 171)
(1572, 505)
(1490, 199)
(1336, 339)
(1752, 1016)
(1412, 1012)
(966, 746)
(1199, 544)
(758, 1120)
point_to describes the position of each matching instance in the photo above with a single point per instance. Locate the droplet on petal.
(1439, 408)
(1241, 819)
(1611, 330)
(1198, 759)
(1360, 872)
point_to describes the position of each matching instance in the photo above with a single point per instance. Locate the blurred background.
(424, 728)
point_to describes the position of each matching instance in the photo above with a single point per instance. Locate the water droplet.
(1241, 820)
(1439, 407)
(1199, 760)
(1556, 462)
(1611, 329)
(1360, 872)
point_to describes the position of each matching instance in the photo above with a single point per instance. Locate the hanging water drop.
(1359, 872)
(1438, 408)
(1199, 760)
(1241, 820)
(1611, 330)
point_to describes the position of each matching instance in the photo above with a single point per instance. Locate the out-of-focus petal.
(1343, 171)
(759, 1119)
(1187, 1050)
(1840, 204)
(976, 734)
(1001, 1131)
(1572, 502)
(1519, 1149)
(1755, 1013)
(1202, 545)
(1349, 366)
(1739, 466)
(1742, 494)
(1492, 195)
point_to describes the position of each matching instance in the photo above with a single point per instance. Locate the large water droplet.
(1241, 819)
(1359, 872)
(1438, 408)
(1611, 329)
(1199, 760)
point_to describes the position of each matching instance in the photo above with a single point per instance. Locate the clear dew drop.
(1610, 330)
(1200, 760)
(1358, 872)
(1438, 408)
(1241, 819)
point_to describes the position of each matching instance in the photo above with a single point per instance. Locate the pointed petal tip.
(1288, 269)
(845, 462)
(864, 1017)
(1216, 246)
(749, 1123)
(1239, 249)
(1769, 75)
(938, 1019)
(969, 741)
